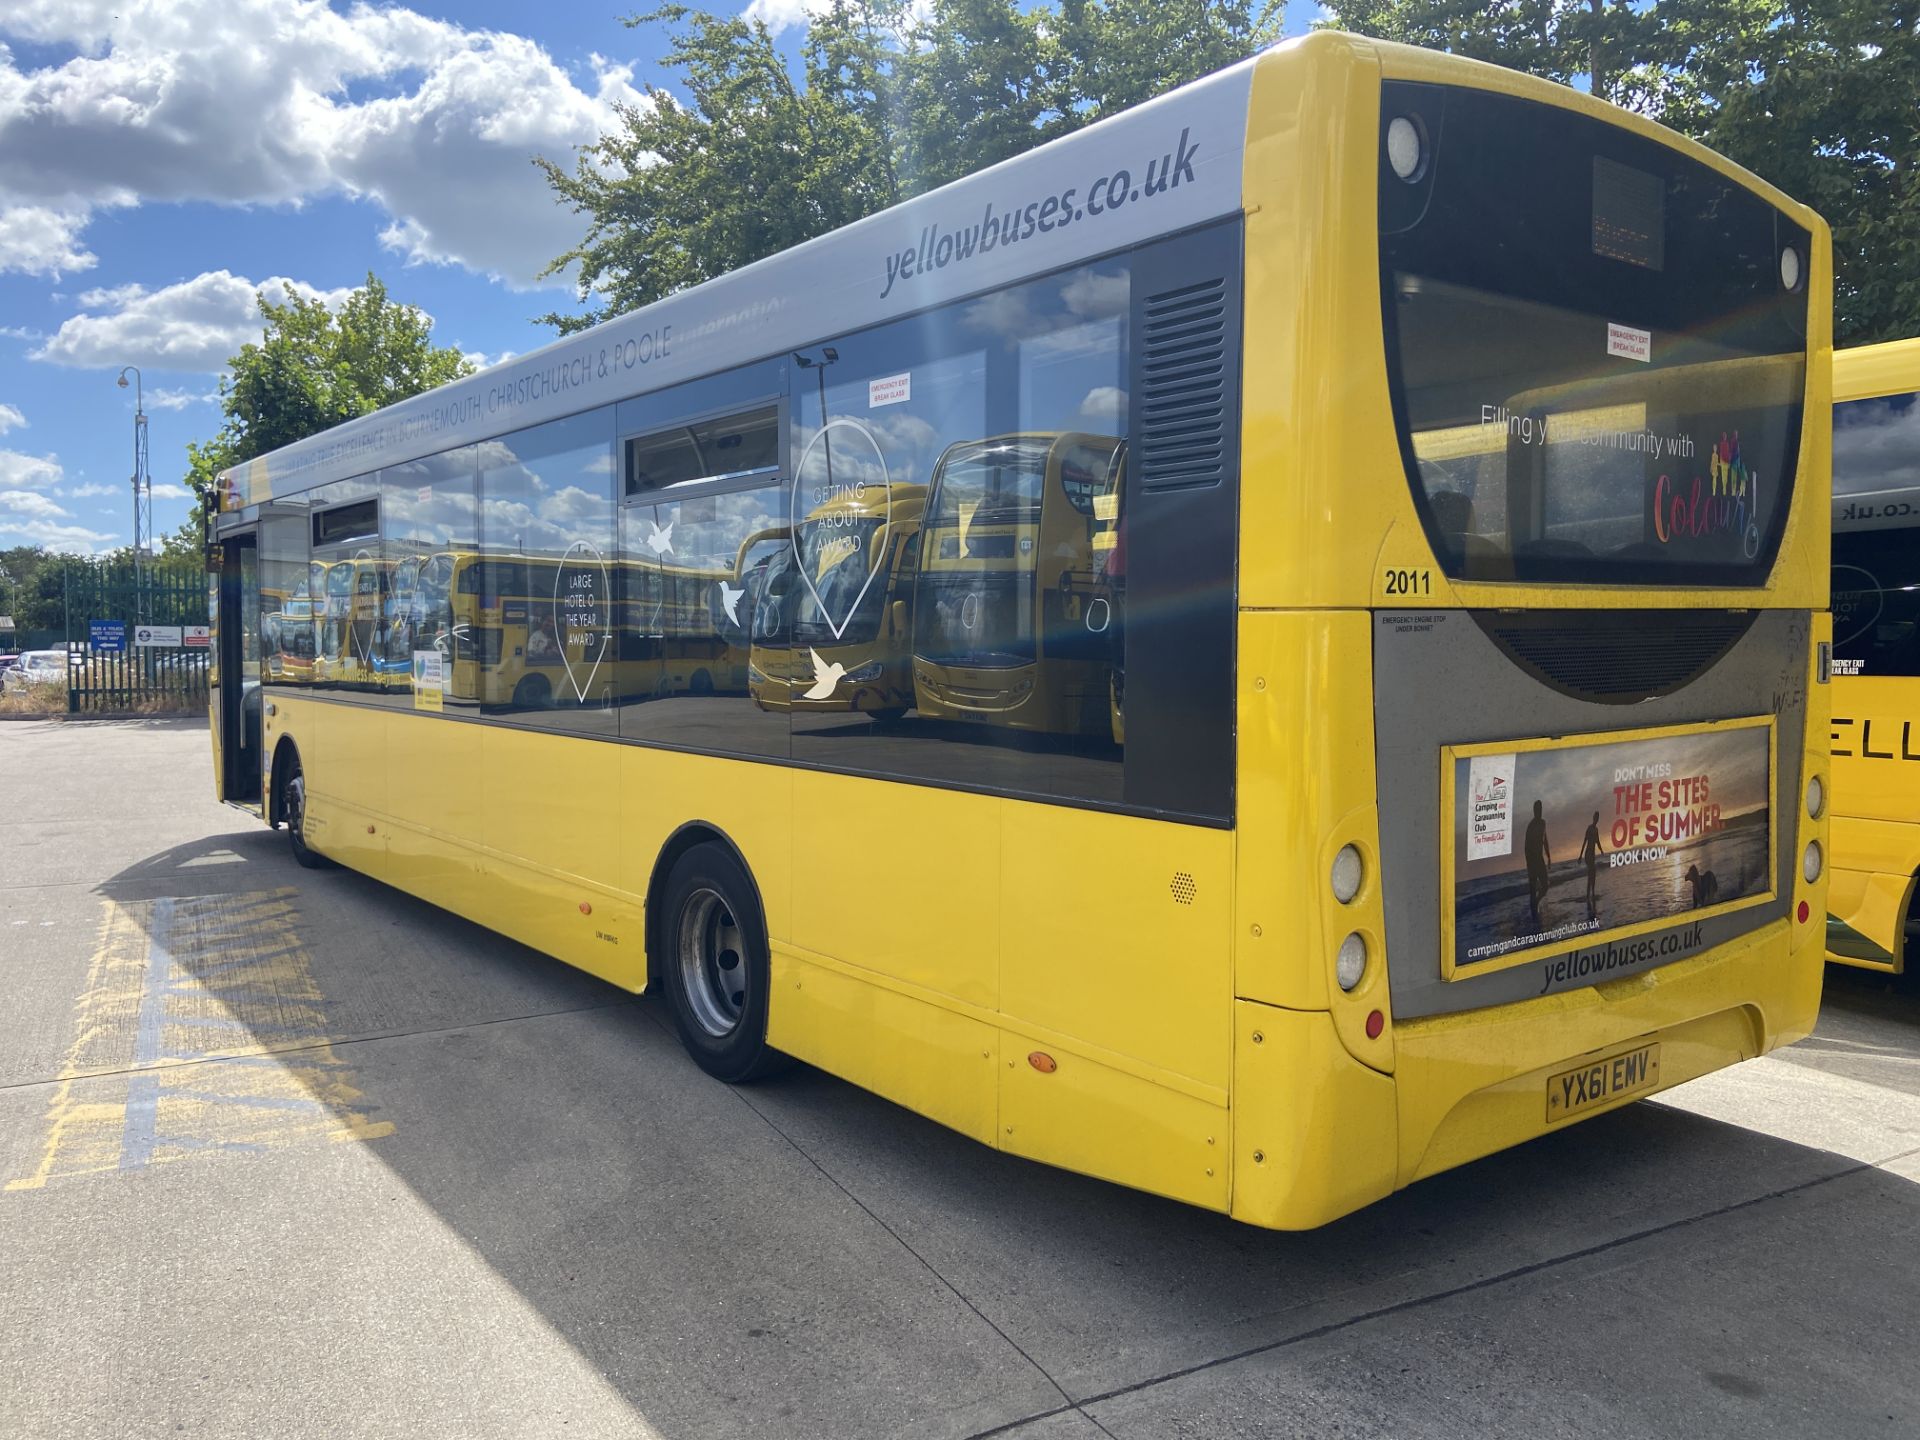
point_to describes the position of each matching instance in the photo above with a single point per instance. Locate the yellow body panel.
(1876, 747)
(1149, 1002)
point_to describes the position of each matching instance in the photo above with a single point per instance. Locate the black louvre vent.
(1615, 657)
(1183, 387)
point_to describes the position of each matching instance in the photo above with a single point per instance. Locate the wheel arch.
(283, 751)
(689, 835)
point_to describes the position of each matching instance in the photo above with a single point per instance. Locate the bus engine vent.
(1183, 386)
(1615, 657)
(1183, 887)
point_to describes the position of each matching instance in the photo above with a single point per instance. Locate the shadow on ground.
(802, 1258)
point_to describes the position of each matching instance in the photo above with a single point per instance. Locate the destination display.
(1556, 842)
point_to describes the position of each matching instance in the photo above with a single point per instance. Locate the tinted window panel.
(289, 632)
(347, 580)
(1876, 541)
(947, 606)
(546, 597)
(1876, 463)
(1598, 374)
(432, 537)
(693, 573)
(733, 448)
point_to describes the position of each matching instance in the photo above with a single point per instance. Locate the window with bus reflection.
(346, 585)
(541, 595)
(901, 552)
(430, 540)
(950, 603)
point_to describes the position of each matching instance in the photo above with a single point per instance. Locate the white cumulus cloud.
(195, 325)
(277, 101)
(167, 491)
(11, 418)
(30, 504)
(161, 398)
(93, 490)
(41, 239)
(20, 471)
(54, 535)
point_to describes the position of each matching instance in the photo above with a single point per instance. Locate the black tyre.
(714, 967)
(532, 693)
(701, 684)
(294, 802)
(888, 715)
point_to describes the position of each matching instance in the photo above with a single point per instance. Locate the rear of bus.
(1533, 584)
(1876, 654)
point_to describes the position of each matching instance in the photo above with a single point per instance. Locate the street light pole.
(142, 491)
(828, 356)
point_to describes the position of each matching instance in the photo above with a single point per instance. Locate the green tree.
(1821, 99)
(753, 161)
(763, 154)
(30, 590)
(312, 368)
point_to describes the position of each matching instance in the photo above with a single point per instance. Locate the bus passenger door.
(239, 670)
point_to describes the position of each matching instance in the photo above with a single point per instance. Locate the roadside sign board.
(157, 637)
(107, 637)
(196, 637)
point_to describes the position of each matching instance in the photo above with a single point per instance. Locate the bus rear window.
(1596, 345)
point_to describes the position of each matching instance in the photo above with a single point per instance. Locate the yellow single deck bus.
(1876, 654)
(1473, 532)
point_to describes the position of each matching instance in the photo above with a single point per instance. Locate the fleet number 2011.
(1409, 582)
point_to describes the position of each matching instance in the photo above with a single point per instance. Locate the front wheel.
(296, 804)
(715, 966)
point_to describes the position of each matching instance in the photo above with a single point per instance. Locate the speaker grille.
(1183, 888)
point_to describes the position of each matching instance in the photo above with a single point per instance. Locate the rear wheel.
(715, 965)
(295, 802)
(532, 693)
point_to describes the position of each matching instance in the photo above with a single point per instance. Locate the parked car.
(8, 659)
(33, 668)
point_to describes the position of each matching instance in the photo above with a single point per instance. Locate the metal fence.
(136, 642)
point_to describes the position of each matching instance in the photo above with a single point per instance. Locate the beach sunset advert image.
(1557, 843)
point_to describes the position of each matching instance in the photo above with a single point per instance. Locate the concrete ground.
(286, 1153)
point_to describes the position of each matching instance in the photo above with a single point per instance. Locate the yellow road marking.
(187, 1002)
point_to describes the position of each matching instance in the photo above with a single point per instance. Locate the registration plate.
(1586, 1086)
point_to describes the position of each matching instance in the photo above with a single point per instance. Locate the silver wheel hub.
(712, 957)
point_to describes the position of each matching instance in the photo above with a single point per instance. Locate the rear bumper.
(1467, 1085)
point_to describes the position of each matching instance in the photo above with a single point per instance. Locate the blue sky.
(161, 160)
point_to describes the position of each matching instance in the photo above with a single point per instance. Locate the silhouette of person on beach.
(1539, 861)
(1590, 856)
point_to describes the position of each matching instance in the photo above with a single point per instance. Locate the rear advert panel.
(1721, 733)
(1610, 837)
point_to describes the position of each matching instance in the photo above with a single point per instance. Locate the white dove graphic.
(661, 540)
(825, 677)
(730, 601)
